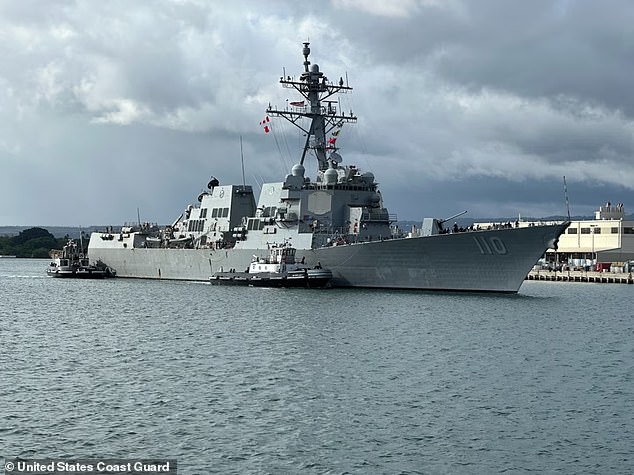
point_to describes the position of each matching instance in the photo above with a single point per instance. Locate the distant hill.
(57, 231)
(30, 242)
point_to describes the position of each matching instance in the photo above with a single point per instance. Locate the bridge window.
(196, 225)
(253, 224)
(269, 211)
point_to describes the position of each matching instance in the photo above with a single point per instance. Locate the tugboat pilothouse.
(337, 219)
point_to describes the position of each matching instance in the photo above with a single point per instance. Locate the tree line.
(32, 242)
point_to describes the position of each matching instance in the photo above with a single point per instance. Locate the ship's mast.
(316, 89)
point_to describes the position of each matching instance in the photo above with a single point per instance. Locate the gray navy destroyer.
(336, 220)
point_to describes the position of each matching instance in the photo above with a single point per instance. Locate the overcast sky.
(110, 106)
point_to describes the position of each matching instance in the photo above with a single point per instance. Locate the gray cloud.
(111, 106)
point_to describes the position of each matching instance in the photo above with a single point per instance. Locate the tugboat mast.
(316, 89)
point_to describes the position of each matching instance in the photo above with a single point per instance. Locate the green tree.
(31, 233)
(32, 242)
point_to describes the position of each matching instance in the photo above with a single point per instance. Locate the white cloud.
(394, 8)
(122, 112)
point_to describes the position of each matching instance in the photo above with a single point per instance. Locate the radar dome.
(314, 68)
(368, 178)
(298, 170)
(330, 176)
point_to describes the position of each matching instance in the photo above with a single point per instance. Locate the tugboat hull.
(81, 273)
(314, 278)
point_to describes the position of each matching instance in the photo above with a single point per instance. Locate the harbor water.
(252, 380)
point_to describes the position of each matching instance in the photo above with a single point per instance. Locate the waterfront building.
(604, 243)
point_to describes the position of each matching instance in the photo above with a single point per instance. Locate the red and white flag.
(297, 104)
(332, 141)
(266, 124)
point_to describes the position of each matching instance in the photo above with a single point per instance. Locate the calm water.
(243, 380)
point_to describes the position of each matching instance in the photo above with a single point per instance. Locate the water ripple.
(232, 380)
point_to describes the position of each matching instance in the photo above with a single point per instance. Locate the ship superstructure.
(337, 220)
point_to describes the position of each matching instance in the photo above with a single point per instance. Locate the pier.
(582, 276)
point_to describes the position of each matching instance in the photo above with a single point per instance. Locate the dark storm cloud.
(536, 49)
(479, 105)
(548, 49)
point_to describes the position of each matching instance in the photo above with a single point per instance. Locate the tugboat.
(71, 262)
(278, 269)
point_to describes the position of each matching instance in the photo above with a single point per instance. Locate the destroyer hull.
(480, 261)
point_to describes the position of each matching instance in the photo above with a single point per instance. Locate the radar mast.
(322, 113)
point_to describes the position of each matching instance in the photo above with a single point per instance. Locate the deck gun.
(433, 226)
